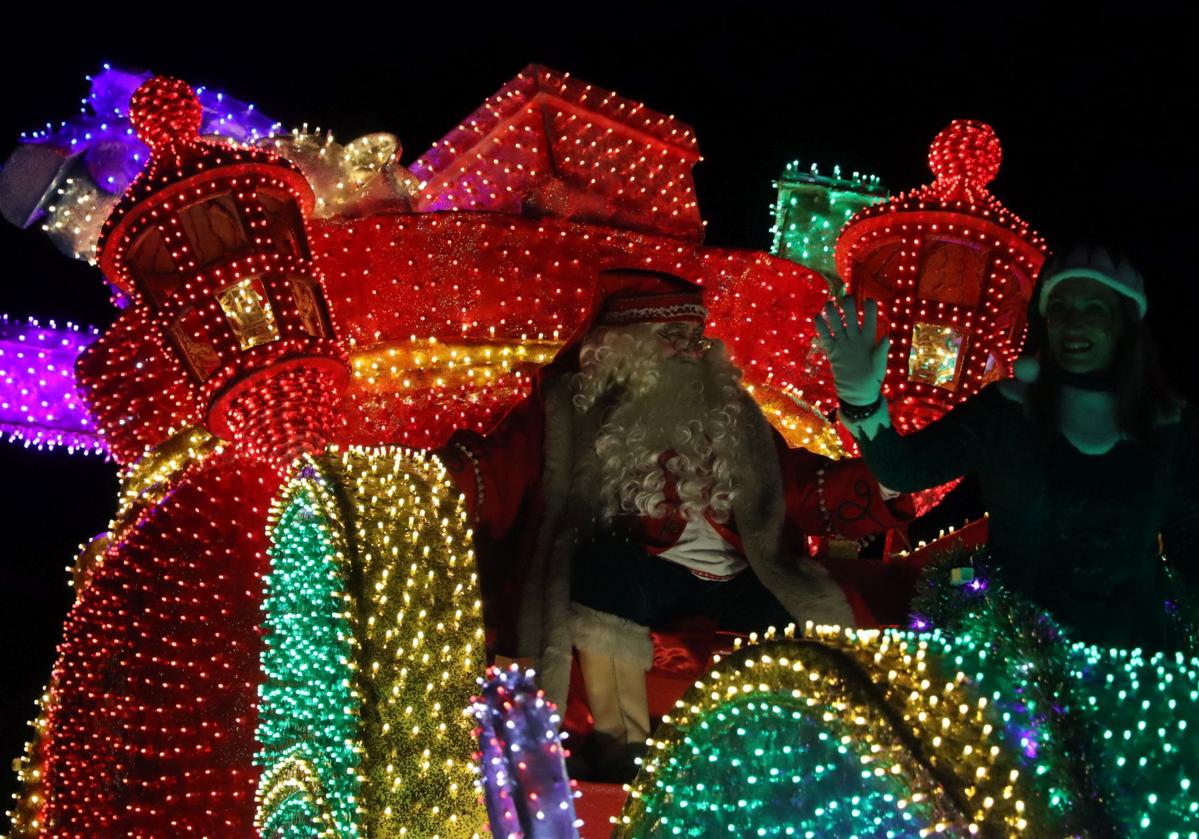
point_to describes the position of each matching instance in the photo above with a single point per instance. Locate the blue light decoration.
(522, 771)
(39, 402)
(103, 134)
(99, 151)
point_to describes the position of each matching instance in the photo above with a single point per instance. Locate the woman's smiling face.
(1084, 324)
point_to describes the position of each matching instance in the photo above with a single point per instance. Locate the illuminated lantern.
(953, 272)
(209, 243)
(150, 714)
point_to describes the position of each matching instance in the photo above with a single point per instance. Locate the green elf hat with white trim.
(1095, 263)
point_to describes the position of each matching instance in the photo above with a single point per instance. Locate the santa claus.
(639, 483)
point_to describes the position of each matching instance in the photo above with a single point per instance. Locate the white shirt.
(708, 554)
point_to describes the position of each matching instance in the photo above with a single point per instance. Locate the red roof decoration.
(442, 315)
(549, 144)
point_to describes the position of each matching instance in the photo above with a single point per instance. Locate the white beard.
(666, 404)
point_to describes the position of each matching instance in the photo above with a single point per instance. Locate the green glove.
(858, 363)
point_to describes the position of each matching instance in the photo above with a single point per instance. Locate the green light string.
(374, 639)
(308, 708)
(946, 718)
(812, 208)
(790, 775)
(1108, 736)
(785, 738)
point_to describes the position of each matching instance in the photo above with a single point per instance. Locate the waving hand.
(858, 363)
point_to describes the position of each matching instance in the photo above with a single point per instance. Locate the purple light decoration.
(39, 402)
(523, 773)
(101, 132)
(1028, 739)
(918, 623)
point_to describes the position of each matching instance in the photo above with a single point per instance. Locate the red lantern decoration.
(210, 244)
(952, 270)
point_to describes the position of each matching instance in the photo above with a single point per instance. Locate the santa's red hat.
(626, 296)
(631, 295)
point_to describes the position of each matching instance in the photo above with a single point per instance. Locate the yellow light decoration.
(145, 482)
(417, 365)
(801, 425)
(363, 175)
(244, 304)
(294, 777)
(411, 588)
(74, 220)
(892, 701)
(361, 159)
(89, 559)
(24, 818)
(934, 356)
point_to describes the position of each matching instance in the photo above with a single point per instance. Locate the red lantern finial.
(165, 111)
(965, 158)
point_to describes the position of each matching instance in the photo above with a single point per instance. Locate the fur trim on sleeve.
(805, 589)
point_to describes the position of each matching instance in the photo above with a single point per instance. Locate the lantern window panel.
(952, 272)
(880, 271)
(284, 222)
(1022, 283)
(993, 371)
(310, 304)
(935, 354)
(152, 267)
(248, 311)
(214, 229)
(191, 338)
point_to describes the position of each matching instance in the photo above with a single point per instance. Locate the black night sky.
(1092, 113)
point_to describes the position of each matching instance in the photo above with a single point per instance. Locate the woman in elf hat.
(1083, 463)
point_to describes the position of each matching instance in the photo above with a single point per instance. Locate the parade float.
(282, 631)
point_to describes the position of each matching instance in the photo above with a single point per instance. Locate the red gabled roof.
(537, 81)
(549, 144)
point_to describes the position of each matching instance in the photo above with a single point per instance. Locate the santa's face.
(1083, 322)
(682, 339)
(669, 391)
